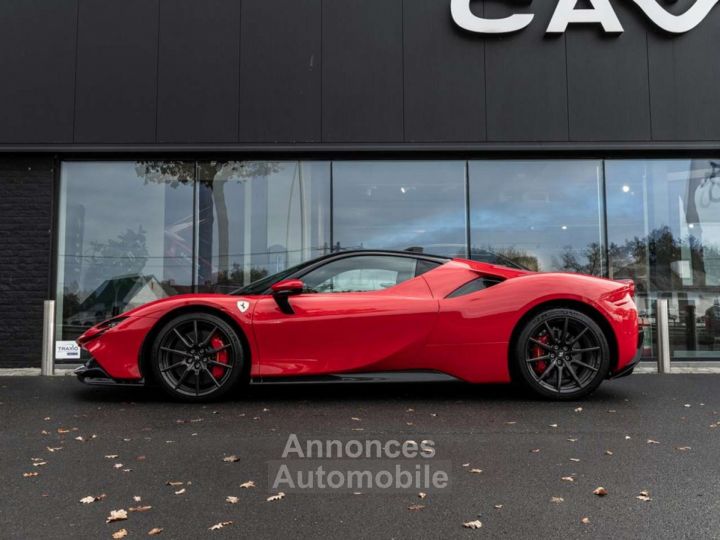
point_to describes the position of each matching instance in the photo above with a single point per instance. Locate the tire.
(545, 360)
(198, 357)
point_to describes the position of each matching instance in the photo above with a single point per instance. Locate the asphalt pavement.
(521, 467)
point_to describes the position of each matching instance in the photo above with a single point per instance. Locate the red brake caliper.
(537, 352)
(221, 357)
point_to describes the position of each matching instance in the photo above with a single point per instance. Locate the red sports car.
(358, 313)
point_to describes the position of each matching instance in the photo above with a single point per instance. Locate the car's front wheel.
(562, 354)
(197, 357)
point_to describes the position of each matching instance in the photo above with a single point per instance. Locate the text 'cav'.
(601, 12)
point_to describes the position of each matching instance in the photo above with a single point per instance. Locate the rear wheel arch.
(146, 350)
(583, 308)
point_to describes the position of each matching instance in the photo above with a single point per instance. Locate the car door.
(357, 313)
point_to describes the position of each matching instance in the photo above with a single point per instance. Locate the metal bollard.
(663, 335)
(48, 353)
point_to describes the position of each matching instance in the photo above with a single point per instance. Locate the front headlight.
(111, 323)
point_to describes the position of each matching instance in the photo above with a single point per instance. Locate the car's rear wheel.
(197, 357)
(562, 354)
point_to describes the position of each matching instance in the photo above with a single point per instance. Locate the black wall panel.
(26, 201)
(198, 69)
(37, 70)
(362, 87)
(444, 76)
(147, 72)
(281, 77)
(116, 89)
(608, 94)
(526, 78)
(685, 83)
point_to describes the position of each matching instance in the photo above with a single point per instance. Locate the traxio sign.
(567, 13)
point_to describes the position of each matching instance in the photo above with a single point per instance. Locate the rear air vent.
(476, 285)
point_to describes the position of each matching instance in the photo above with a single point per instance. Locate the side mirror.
(282, 291)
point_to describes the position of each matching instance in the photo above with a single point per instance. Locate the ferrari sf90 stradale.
(356, 313)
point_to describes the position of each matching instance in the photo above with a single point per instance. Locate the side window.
(360, 274)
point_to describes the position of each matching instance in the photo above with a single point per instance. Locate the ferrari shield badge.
(243, 305)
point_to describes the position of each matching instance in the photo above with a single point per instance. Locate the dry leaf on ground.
(473, 524)
(600, 491)
(116, 515)
(247, 485)
(231, 459)
(155, 531)
(220, 525)
(122, 533)
(276, 497)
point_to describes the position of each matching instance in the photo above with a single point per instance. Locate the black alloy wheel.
(197, 357)
(562, 354)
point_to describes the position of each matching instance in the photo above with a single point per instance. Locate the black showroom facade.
(156, 147)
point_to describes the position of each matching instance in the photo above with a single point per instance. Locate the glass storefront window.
(545, 215)
(663, 221)
(400, 205)
(125, 238)
(259, 217)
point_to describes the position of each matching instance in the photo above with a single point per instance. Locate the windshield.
(263, 284)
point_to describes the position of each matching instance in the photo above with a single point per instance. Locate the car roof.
(404, 253)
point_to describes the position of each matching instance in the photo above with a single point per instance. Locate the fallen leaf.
(473, 524)
(572, 440)
(557, 499)
(220, 525)
(422, 495)
(137, 498)
(116, 515)
(651, 441)
(585, 521)
(63, 430)
(608, 452)
(180, 491)
(475, 471)
(139, 508)
(29, 474)
(415, 507)
(276, 497)
(39, 463)
(232, 500)
(355, 419)
(535, 450)
(155, 531)
(118, 466)
(91, 499)
(628, 437)
(600, 491)
(122, 533)
(111, 456)
(511, 423)
(683, 448)
(553, 425)
(644, 496)
(578, 409)
(173, 484)
(465, 464)
(687, 405)
(247, 485)
(498, 506)
(54, 448)
(568, 479)
(576, 460)
(231, 459)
